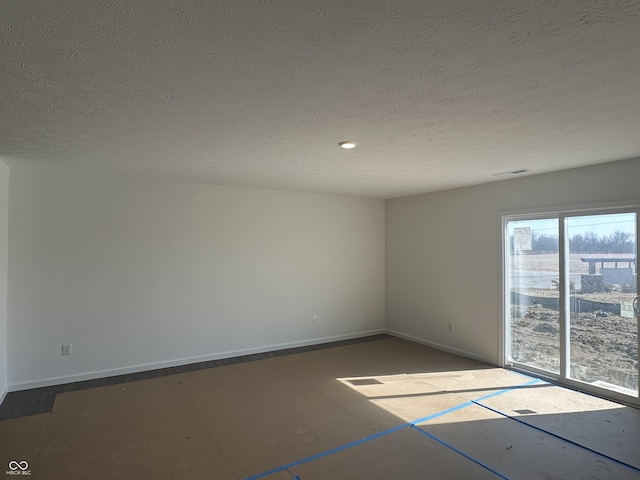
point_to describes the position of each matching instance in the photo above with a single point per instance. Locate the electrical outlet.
(314, 320)
(66, 349)
(450, 326)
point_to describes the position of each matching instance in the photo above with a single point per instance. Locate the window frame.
(559, 214)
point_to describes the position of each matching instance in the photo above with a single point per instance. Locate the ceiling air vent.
(511, 172)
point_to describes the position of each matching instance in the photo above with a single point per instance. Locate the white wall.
(4, 237)
(443, 251)
(139, 273)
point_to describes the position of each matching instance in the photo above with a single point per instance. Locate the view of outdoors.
(602, 284)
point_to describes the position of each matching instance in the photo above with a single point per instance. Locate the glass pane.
(603, 326)
(533, 303)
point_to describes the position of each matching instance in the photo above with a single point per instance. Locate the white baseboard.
(438, 346)
(47, 382)
(3, 395)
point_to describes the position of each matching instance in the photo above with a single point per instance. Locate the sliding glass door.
(534, 315)
(570, 281)
(603, 347)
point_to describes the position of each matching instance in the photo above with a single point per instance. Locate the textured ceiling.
(258, 93)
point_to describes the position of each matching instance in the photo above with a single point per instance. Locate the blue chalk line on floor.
(457, 450)
(392, 430)
(615, 460)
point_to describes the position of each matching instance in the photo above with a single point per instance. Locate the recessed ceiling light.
(348, 144)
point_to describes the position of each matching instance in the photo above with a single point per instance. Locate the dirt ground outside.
(603, 345)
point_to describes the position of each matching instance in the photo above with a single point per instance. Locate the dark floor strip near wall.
(40, 400)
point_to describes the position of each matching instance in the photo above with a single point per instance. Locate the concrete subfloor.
(386, 409)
